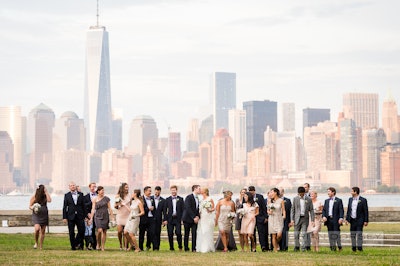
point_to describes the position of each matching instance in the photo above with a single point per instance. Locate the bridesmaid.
(314, 230)
(238, 222)
(40, 219)
(101, 211)
(277, 213)
(251, 210)
(122, 204)
(132, 225)
(223, 210)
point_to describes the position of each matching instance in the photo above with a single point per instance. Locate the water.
(22, 202)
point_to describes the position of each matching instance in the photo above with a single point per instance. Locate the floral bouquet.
(241, 212)
(231, 215)
(36, 208)
(206, 204)
(118, 200)
(112, 223)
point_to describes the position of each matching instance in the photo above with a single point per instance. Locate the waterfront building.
(192, 136)
(362, 108)
(391, 120)
(223, 86)
(373, 141)
(40, 145)
(259, 115)
(288, 117)
(97, 103)
(221, 156)
(312, 116)
(237, 131)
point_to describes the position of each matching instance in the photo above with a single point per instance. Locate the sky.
(163, 52)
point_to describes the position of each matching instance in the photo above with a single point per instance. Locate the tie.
(147, 198)
(93, 194)
(331, 198)
(74, 193)
(173, 197)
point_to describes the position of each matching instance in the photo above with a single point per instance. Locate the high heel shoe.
(35, 246)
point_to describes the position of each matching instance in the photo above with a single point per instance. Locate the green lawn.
(16, 249)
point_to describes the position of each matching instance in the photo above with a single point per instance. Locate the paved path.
(29, 229)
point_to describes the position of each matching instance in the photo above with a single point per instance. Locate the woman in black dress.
(40, 214)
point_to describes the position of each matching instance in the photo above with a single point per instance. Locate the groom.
(191, 217)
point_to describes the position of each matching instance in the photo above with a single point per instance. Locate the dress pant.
(334, 233)
(262, 229)
(77, 239)
(174, 224)
(356, 233)
(284, 243)
(190, 227)
(148, 227)
(300, 228)
(157, 235)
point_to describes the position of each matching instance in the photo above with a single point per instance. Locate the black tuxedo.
(75, 214)
(174, 221)
(333, 222)
(147, 224)
(191, 210)
(283, 244)
(261, 225)
(158, 217)
(357, 222)
(88, 209)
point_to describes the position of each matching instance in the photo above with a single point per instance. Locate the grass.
(16, 249)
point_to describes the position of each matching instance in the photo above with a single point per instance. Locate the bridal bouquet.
(36, 208)
(206, 204)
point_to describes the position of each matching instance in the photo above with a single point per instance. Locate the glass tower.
(97, 106)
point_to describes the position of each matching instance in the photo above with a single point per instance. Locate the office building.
(362, 108)
(237, 131)
(223, 98)
(288, 117)
(259, 115)
(312, 116)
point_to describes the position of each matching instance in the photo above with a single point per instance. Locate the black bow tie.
(173, 197)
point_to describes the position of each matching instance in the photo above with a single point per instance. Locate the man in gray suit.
(302, 210)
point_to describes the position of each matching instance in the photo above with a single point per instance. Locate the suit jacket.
(88, 204)
(168, 208)
(362, 210)
(72, 211)
(145, 217)
(159, 211)
(288, 208)
(262, 207)
(295, 210)
(190, 210)
(337, 211)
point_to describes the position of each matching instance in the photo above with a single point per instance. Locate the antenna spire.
(97, 15)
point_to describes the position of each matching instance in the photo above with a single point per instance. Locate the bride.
(205, 227)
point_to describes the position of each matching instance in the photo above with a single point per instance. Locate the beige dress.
(249, 219)
(132, 224)
(275, 220)
(123, 211)
(317, 218)
(224, 222)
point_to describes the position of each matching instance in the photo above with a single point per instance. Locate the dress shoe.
(296, 249)
(263, 249)
(172, 249)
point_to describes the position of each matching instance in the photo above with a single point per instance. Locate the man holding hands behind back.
(357, 215)
(332, 215)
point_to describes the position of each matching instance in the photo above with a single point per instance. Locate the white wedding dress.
(205, 229)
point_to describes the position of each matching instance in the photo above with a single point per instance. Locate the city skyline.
(161, 63)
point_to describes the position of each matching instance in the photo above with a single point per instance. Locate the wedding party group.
(140, 218)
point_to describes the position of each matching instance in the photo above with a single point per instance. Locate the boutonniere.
(256, 199)
(177, 199)
(152, 200)
(306, 201)
(334, 201)
(284, 201)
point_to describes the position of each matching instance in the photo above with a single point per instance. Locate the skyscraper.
(40, 144)
(221, 156)
(223, 97)
(373, 141)
(362, 108)
(11, 121)
(237, 131)
(174, 147)
(391, 120)
(6, 162)
(97, 106)
(288, 117)
(192, 136)
(349, 152)
(259, 115)
(116, 141)
(312, 116)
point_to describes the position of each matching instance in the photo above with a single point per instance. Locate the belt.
(174, 216)
(330, 216)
